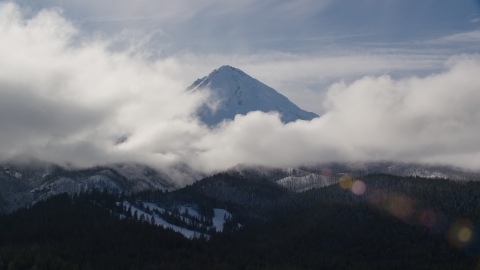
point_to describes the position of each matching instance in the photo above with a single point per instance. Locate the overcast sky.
(392, 80)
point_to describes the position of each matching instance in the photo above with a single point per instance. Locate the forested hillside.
(376, 222)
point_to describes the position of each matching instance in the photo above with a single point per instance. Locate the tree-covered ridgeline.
(337, 227)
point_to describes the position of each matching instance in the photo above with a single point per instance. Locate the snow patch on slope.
(304, 183)
(218, 220)
(220, 215)
(161, 222)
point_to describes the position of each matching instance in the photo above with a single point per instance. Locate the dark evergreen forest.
(394, 223)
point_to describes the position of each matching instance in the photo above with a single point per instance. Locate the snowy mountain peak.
(234, 92)
(223, 73)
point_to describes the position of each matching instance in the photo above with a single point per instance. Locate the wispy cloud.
(474, 18)
(117, 19)
(471, 36)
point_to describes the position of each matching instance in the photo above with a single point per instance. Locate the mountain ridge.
(235, 92)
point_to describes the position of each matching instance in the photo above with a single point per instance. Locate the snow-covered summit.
(234, 92)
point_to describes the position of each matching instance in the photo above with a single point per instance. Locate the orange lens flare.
(346, 182)
(465, 234)
(461, 233)
(401, 207)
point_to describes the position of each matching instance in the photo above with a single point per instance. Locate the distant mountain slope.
(235, 92)
(23, 184)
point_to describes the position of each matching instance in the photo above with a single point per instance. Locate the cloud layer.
(432, 119)
(68, 100)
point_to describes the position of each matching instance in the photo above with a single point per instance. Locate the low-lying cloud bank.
(68, 100)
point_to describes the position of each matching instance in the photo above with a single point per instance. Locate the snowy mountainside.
(100, 181)
(271, 173)
(311, 176)
(23, 184)
(304, 183)
(293, 179)
(183, 218)
(146, 177)
(234, 92)
(397, 169)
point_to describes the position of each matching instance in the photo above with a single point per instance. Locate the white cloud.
(59, 96)
(474, 18)
(471, 36)
(66, 101)
(374, 118)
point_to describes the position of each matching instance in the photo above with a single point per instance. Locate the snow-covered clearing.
(218, 219)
